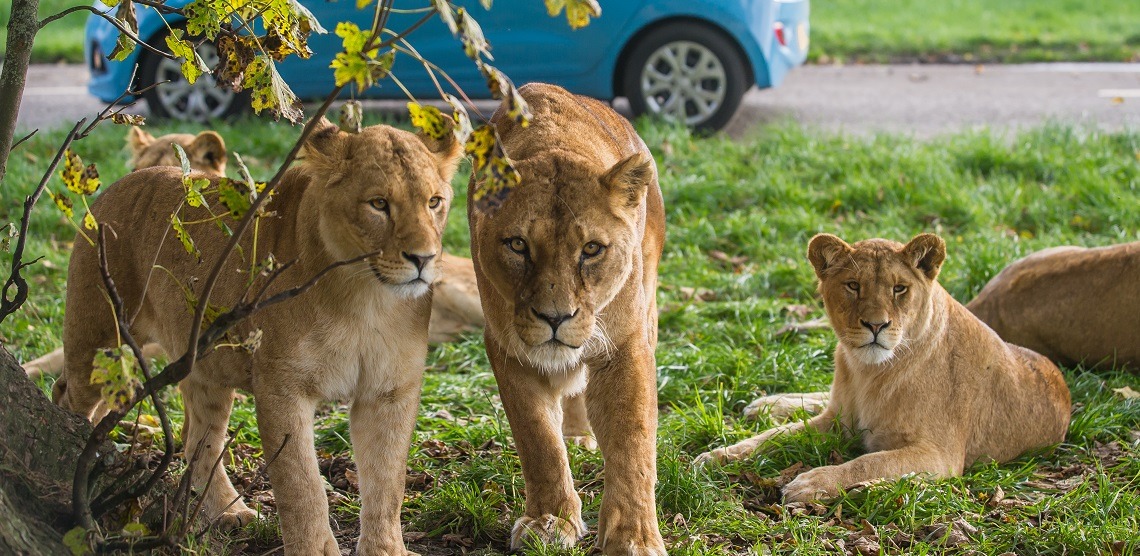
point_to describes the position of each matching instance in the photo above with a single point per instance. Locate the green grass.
(975, 30)
(61, 40)
(869, 31)
(993, 198)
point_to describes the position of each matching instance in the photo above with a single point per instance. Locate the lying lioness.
(360, 333)
(455, 305)
(930, 388)
(1070, 304)
(567, 271)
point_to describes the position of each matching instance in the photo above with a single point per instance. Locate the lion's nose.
(419, 260)
(875, 327)
(554, 320)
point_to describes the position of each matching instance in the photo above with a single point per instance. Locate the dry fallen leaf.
(1126, 393)
(697, 294)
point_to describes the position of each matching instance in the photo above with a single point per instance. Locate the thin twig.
(26, 137)
(113, 21)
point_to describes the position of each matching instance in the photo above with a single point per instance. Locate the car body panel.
(528, 45)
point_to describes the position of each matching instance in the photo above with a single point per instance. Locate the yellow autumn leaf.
(428, 119)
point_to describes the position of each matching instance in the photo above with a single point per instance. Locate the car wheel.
(179, 99)
(688, 73)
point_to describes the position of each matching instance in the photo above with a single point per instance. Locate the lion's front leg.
(748, 446)
(381, 429)
(621, 399)
(553, 512)
(286, 426)
(827, 481)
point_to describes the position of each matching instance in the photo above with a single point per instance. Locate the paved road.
(922, 100)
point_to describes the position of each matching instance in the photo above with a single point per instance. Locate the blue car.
(685, 60)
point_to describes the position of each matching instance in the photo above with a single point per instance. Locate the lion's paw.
(634, 549)
(714, 457)
(585, 441)
(235, 518)
(816, 484)
(546, 529)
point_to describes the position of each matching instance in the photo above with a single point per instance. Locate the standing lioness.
(567, 273)
(359, 334)
(929, 386)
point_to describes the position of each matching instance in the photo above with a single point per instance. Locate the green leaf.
(270, 91)
(446, 14)
(204, 18)
(193, 186)
(183, 236)
(135, 530)
(462, 119)
(429, 119)
(192, 64)
(471, 35)
(114, 371)
(578, 12)
(351, 116)
(79, 179)
(76, 541)
(495, 173)
(124, 45)
(235, 196)
(63, 203)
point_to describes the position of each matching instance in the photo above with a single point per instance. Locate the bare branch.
(25, 138)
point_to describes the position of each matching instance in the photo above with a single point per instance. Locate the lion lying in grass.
(360, 333)
(929, 386)
(455, 305)
(1071, 304)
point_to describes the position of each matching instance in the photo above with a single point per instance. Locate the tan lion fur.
(1071, 304)
(455, 298)
(930, 388)
(563, 324)
(359, 334)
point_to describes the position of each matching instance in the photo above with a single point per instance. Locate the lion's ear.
(447, 150)
(629, 179)
(137, 139)
(824, 251)
(926, 252)
(210, 147)
(323, 149)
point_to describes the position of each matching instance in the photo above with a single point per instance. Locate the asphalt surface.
(921, 100)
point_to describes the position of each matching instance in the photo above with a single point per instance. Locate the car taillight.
(778, 29)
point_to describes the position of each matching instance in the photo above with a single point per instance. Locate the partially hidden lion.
(567, 273)
(1071, 304)
(455, 299)
(930, 388)
(360, 333)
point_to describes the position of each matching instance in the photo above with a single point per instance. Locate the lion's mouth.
(557, 342)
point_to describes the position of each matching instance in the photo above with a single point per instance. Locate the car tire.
(199, 102)
(686, 72)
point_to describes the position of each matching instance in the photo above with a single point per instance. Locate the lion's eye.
(378, 204)
(592, 249)
(434, 202)
(900, 289)
(517, 244)
(852, 285)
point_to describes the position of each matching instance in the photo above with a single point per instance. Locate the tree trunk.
(40, 444)
(22, 30)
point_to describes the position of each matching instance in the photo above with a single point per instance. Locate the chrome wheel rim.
(684, 81)
(198, 102)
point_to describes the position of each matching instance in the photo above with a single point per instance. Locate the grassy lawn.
(870, 31)
(61, 40)
(975, 30)
(993, 198)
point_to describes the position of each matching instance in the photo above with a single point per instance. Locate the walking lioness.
(567, 273)
(359, 334)
(930, 388)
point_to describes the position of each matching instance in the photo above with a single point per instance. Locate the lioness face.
(386, 192)
(206, 151)
(558, 250)
(876, 291)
